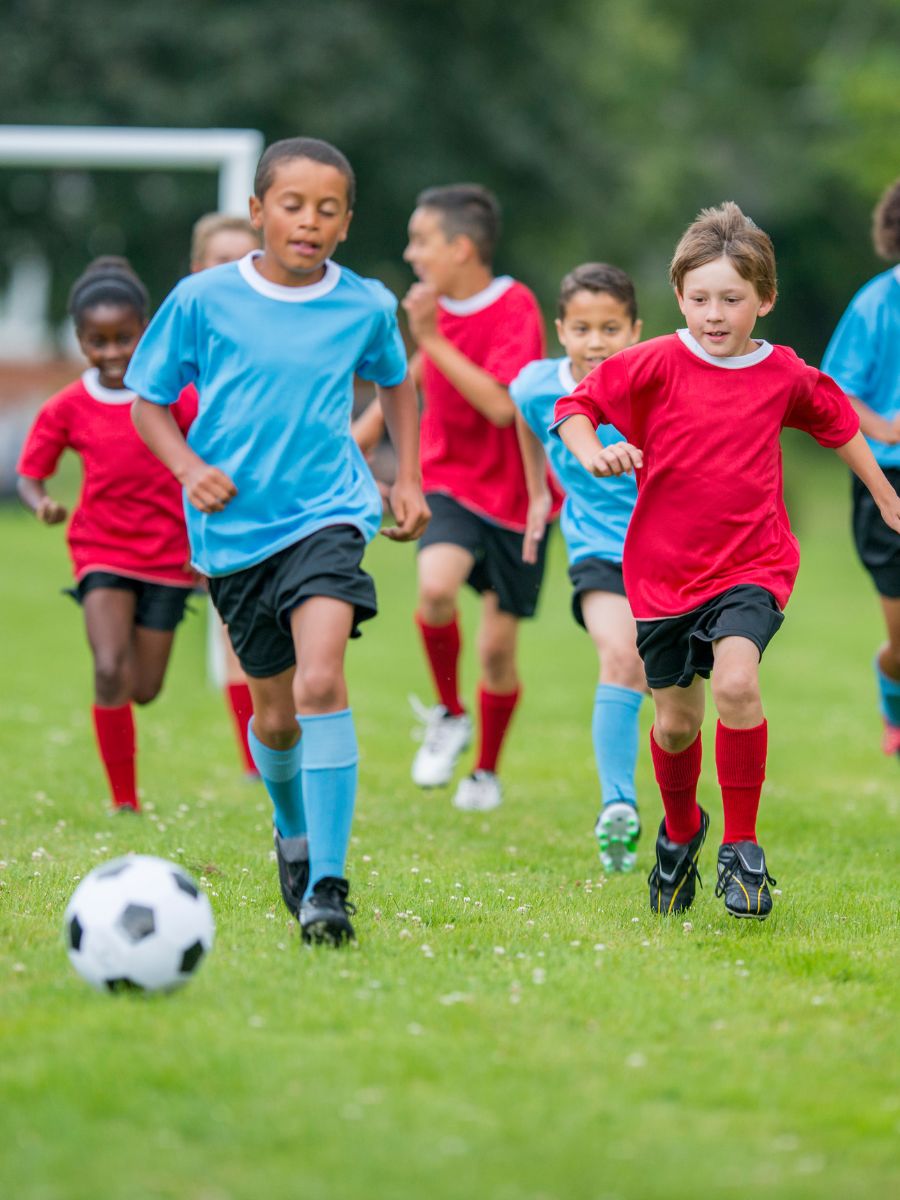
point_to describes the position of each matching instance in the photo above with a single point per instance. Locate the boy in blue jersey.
(864, 357)
(280, 503)
(597, 316)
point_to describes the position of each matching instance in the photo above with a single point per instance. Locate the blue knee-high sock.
(615, 732)
(280, 772)
(889, 696)
(330, 758)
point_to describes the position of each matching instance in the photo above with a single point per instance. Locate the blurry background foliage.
(603, 126)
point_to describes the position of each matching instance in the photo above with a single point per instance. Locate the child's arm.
(368, 428)
(579, 435)
(480, 388)
(873, 425)
(539, 499)
(401, 413)
(207, 488)
(33, 495)
(859, 458)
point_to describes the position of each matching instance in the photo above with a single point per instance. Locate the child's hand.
(411, 512)
(620, 458)
(208, 488)
(50, 512)
(535, 526)
(420, 305)
(890, 512)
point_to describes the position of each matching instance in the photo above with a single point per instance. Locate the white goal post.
(233, 153)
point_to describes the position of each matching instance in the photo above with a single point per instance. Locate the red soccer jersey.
(463, 455)
(710, 512)
(129, 518)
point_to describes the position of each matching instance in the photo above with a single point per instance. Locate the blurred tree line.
(603, 126)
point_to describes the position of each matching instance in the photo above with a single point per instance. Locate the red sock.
(677, 776)
(115, 737)
(741, 763)
(442, 643)
(496, 710)
(241, 710)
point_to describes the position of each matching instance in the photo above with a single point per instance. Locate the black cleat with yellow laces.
(673, 879)
(742, 880)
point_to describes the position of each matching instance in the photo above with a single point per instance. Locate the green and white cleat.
(618, 829)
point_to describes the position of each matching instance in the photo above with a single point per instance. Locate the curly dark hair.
(886, 223)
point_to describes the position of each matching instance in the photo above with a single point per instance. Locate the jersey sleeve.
(48, 437)
(852, 354)
(166, 358)
(821, 409)
(383, 361)
(603, 396)
(522, 340)
(527, 401)
(185, 408)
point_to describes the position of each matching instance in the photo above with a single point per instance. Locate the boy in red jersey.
(127, 536)
(709, 559)
(475, 332)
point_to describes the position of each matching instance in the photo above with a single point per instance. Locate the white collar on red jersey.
(566, 378)
(96, 390)
(735, 363)
(481, 300)
(293, 295)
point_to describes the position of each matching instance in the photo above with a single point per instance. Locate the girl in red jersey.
(127, 535)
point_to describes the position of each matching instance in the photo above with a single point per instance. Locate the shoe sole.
(325, 933)
(618, 830)
(748, 916)
(442, 780)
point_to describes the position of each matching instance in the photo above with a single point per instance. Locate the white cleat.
(478, 792)
(443, 740)
(618, 829)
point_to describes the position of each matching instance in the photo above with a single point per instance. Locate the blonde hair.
(725, 232)
(206, 228)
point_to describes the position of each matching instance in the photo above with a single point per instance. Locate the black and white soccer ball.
(138, 923)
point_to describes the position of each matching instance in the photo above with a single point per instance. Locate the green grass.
(512, 1026)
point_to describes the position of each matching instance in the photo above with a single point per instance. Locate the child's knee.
(621, 665)
(437, 602)
(736, 688)
(319, 686)
(675, 730)
(111, 680)
(145, 693)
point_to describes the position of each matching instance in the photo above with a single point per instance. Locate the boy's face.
(595, 326)
(303, 216)
(228, 245)
(435, 258)
(721, 308)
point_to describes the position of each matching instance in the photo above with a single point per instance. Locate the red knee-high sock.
(442, 644)
(741, 763)
(677, 776)
(115, 738)
(241, 710)
(496, 710)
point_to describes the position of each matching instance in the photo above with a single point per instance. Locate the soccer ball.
(138, 923)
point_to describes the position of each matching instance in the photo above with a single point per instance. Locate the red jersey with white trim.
(129, 518)
(710, 512)
(463, 455)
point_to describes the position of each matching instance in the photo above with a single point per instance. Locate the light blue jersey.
(863, 355)
(274, 368)
(596, 513)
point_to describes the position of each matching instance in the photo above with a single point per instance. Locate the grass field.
(512, 1025)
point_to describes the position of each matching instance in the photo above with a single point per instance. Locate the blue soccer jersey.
(596, 513)
(274, 368)
(863, 355)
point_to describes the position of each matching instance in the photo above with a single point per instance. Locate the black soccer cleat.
(293, 871)
(673, 879)
(742, 880)
(325, 914)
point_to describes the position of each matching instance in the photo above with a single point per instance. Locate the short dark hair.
(726, 232)
(598, 277)
(886, 223)
(107, 280)
(302, 147)
(466, 209)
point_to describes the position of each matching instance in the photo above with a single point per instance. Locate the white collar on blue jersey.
(897, 272)
(293, 295)
(96, 390)
(735, 363)
(566, 378)
(482, 299)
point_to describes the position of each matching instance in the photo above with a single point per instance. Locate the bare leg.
(442, 568)
(109, 620)
(152, 648)
(889, 653)
(612, 629)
